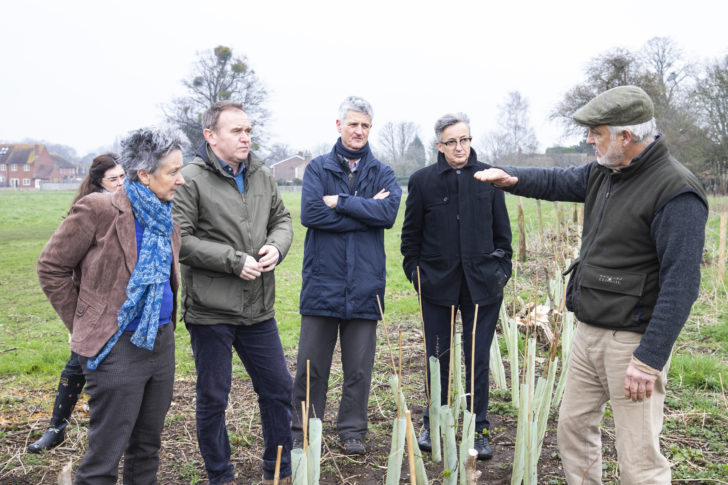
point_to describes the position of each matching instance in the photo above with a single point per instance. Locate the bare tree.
(218, 75)
(711, 98)
(609, 70)
(514, 137)
(393, 140)
(658, 69)
(277, 152)
(663, 58)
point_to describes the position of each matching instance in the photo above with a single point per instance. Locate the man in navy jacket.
(348, 199)
(457, 232)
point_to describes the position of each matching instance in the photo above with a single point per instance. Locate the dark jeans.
(437, 332)
(316, 344)
(130, 393)
(259, 348)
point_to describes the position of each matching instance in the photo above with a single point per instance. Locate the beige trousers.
(597, 366)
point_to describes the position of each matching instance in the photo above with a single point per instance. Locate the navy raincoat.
(344, 265)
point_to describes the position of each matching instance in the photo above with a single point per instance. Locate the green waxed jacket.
(220, 228)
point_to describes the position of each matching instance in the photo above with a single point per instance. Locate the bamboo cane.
(424, 336)
(411, 449)
(304, 425)
(721, 247)
(386, 333)
(435, 410)
(449, 370)
(277, 473)
(472, 361)
(399, 376)
(522, 256)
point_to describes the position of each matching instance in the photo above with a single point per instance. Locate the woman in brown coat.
(121, 312)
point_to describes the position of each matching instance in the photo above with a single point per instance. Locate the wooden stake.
(472, 362)
(471, 469)
(277, 474)
(305, 425)
(721, 247)
(411, 449)
(386, 333)
(521, 232)
(449, 370)
(540, 219)
(424, 337)
(399, 377)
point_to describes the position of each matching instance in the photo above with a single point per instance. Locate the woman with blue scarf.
(122, 311)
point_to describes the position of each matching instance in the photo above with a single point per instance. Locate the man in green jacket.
(235, 230)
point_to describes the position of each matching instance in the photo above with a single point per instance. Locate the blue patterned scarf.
(146, 285)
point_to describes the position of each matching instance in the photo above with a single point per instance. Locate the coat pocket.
(608, 297)
(86, 319)
(217, 291)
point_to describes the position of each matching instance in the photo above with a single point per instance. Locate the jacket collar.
(205, 153)
(331, 162)
(443, 166)
(125, 228)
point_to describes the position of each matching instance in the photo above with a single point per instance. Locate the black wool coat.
(456, 227)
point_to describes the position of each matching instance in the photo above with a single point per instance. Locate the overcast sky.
(83, 73)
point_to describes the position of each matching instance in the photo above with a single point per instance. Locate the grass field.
(34, 342)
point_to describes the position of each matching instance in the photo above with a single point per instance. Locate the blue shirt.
(165, 312)
(238, 178)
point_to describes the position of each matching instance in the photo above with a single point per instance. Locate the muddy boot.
(69, 389)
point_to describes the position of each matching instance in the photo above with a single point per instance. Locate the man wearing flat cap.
(632, 287)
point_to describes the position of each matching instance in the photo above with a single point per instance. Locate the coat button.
(81, 309)
(444, 199)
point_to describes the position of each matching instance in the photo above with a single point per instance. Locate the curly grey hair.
(145, 147)
(449, 120)
(355, 103)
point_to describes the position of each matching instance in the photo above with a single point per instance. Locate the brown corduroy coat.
(85, 267)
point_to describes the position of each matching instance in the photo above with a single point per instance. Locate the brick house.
(290, 168)
(27, 166)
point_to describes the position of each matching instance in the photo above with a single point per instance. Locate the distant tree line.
(691, 107)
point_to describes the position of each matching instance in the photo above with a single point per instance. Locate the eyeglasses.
(113, 180)
(462, 141)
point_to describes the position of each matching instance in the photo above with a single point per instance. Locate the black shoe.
(50, 439)
(354, 446)
(424, 441)
(483, 448)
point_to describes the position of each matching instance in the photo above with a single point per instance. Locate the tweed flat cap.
(620, 106)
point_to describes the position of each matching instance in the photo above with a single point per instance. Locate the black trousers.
(130, 393)
(316, 344)
(437, 333)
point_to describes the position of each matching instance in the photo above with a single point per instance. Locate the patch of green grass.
(190, 471)
(699, 371)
